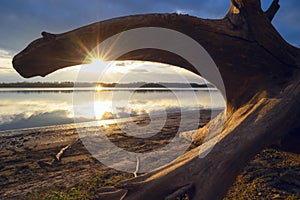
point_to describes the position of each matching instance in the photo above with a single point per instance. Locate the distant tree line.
(87, 84)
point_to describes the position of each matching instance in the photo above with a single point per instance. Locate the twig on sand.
(57, 157)
(136, 167)
(62, 151)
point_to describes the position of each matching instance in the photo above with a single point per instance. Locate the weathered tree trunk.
(261, 77)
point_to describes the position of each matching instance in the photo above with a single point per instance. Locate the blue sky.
(23, 20)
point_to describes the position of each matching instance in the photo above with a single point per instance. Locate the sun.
(97, 60)
(95, 65)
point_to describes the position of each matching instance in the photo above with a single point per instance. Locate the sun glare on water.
(98, 88)
(100, 108)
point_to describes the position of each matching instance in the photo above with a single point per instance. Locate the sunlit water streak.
(36, 107)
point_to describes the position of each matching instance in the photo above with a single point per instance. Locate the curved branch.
(229, 47)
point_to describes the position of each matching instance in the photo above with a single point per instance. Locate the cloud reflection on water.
(36, 109)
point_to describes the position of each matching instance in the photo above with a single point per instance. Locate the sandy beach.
(45, 163)
(29, 157)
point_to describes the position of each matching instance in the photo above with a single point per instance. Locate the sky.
(23, 20)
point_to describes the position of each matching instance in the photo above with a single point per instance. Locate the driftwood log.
(260, 71)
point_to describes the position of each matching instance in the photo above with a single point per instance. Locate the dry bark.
(260, 71)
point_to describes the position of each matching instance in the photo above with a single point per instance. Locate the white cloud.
(4, 54)
(135, 71)
(183, 11)
(5, 62)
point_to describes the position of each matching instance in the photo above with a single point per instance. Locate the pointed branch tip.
(272, 10)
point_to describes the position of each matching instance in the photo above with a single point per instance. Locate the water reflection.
(96, 89)
(25, 108)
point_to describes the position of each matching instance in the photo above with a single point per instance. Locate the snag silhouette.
(260, 71)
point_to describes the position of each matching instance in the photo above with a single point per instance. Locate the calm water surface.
(36, 107)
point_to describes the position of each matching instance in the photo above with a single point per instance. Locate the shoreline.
(94, 123)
